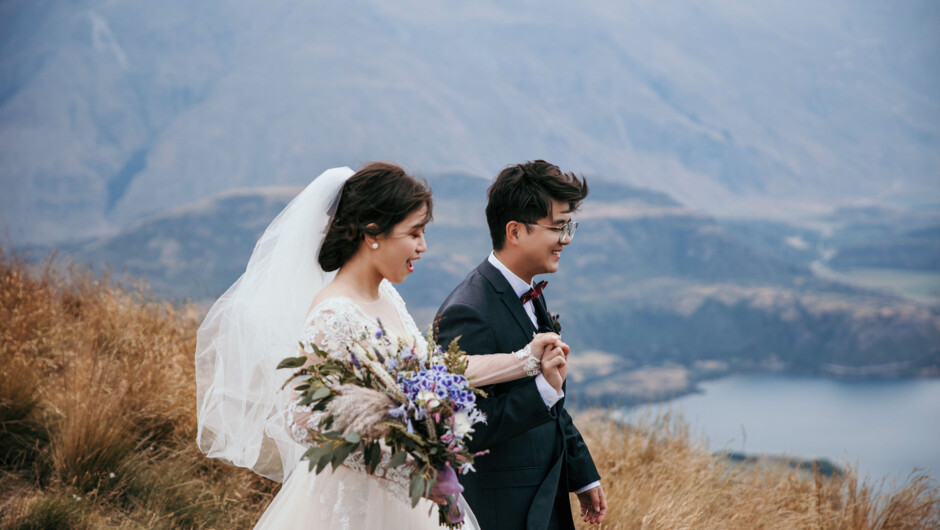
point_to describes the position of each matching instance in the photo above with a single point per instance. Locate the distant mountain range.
(746, 159)
(647, 282)
(111, 111)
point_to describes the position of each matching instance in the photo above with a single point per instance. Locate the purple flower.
(447, 487)
(447, 483)
(398, 412)
(391, 363)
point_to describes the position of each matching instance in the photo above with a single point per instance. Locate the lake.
(886, 428)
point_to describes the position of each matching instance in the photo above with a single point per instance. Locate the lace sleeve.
(331, 327)
(483, 370)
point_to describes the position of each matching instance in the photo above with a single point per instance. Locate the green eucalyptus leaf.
(292, 362)
(398, 459)
(417, 488)
(367, 455)
(317, 452)
(324, 460)
(353, 438)
(428, 484)
(341, 452)
(375, 451)
(320, 393)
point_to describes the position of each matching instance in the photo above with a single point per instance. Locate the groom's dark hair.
(524, 193)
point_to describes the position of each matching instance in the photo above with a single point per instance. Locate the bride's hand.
(552, 351)
(543, 343)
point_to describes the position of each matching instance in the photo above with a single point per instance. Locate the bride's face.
(402, 247)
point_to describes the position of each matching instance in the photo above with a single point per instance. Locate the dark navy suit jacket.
(536, 455)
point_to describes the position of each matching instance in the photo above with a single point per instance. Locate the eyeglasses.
(566, 230)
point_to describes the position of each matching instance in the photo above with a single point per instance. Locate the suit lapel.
(507, 295)
(542, 315)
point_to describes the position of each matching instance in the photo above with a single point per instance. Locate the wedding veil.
(255, 324)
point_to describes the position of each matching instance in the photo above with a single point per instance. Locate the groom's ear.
(512, 232)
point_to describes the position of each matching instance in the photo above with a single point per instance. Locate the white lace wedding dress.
(348, 497)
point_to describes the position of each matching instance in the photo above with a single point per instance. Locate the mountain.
(883, 247)
(111, 111)
(648, 289)
(195, 251)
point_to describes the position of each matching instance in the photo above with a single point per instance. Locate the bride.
(321, 274)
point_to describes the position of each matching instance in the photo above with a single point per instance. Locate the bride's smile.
(399, 250)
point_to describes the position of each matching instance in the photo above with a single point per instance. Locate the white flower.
(111, 474)
(477, 416)
(462, 425)
(429, 399)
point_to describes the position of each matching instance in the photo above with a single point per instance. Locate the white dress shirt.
(520, 286)
(548, 393)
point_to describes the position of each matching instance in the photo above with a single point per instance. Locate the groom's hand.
(593, 505)
(543, 343)
(555, 367)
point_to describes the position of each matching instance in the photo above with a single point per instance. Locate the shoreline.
(651, 385)
(874, 426)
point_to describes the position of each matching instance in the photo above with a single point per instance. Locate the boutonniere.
(556, 324)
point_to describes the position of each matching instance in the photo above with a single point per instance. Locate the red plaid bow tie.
(534, 292)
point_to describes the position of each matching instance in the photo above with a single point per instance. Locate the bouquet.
(418, 404)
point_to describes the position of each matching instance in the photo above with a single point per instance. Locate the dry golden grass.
(97, 411)
(657, 477)
(97, 429)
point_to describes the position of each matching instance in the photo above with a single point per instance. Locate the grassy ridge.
(658, 477)
(97, 429)
(97, 408)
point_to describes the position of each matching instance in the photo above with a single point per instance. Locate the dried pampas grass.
(360, 410)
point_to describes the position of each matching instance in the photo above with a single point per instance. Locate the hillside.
(99, 428)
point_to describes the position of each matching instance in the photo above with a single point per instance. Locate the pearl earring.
(375, 245)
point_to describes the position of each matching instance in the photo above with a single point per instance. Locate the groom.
(536, 455)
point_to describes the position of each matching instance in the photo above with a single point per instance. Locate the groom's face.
(541, 245)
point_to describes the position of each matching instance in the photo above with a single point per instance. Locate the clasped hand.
(554, 358)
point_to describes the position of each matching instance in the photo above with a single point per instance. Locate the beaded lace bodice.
(332, 325)
(335, 323)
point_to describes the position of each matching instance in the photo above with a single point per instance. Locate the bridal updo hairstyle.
(373, 201)
(524, 193)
